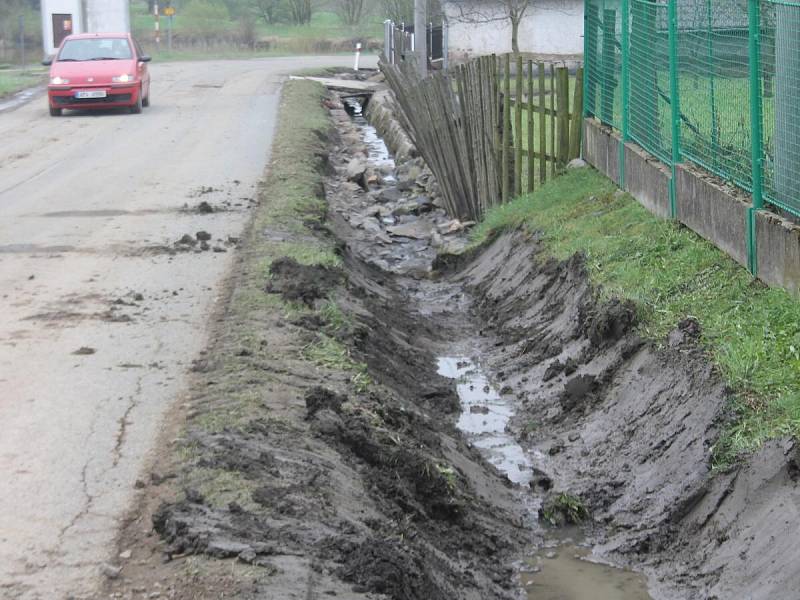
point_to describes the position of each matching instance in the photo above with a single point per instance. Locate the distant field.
(226, 39)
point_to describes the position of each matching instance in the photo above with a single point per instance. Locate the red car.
(98, 70)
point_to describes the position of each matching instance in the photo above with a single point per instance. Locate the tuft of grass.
(335, 318)
(564, 509)
(751, 332)
(330, 353)
(220, 487)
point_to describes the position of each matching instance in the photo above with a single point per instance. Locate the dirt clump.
(301, 283)
(319, 398)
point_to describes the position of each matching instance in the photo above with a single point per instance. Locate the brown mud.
(350, 486)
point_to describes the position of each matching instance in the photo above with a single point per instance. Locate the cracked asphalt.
(100, 320)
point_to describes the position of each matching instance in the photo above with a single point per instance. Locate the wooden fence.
(491, 129)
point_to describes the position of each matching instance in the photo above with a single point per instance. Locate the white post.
(420, 36)
(157, 31)
(358, 56)
(445, 44)
(387, 39)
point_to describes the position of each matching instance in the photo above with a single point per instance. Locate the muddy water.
(378, 154)
(560, 573)
(566, 574)
(484, 417)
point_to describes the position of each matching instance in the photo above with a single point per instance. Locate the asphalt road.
(98, 325)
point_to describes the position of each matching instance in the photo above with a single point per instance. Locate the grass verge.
(15, 81)
(752, 332)
(253, 348)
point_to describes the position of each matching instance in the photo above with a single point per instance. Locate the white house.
(61, 18)
(550, 29)
(108, 15)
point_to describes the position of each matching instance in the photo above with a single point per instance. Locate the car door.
(144, 71)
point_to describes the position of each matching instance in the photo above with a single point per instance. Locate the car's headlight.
(58, 80)
(122, 78)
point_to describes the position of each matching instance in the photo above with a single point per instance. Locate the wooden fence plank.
(517, 142)
(506, 118)
(553, 120)
(531, 149)
(562, 121)
(577, 117)
(542, 127)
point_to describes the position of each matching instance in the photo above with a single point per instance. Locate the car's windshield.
(96, 49)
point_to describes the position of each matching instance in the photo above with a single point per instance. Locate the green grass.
(12, 81)
(326, 34)
(751, 332)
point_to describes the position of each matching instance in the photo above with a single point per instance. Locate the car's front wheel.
(146, 100)
(55, 112)
(137, 108)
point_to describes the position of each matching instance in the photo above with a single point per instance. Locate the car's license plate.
(82, 94)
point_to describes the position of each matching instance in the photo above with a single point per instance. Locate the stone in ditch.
(220, 548)
(110, 571)
(203, 236)
(389, 194)
(355, 170)
(577, 163)
(417, 230)
(405, 208)
(424, 204)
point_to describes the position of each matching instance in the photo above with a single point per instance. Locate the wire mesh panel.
(713, 65)
(649, 120)
(725, 83)
(603, 96)
(780, 84)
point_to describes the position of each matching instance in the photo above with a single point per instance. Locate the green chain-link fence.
(780, 77)
(712, 82)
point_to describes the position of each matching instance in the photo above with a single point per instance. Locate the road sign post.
(170, 13)
(22, 40)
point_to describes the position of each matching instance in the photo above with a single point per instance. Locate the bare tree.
(488, 11)
(350, 11)
(402, 11)
(301, 11)
(269, 10)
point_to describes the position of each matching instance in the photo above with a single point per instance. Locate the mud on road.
(321, 455)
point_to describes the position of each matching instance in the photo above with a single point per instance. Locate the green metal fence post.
(756, 145)
(626, 59)
(674, 99)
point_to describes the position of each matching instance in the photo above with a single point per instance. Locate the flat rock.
(390, 194)
(356, 169)
(418, 230)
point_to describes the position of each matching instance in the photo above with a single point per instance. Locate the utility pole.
(421, 36)
(22, 41)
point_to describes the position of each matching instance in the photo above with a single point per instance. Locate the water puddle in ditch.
(484, 417)
(566, 571)
(378, 154)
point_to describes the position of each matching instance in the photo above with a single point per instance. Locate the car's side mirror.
(145, 58)
(48, 61)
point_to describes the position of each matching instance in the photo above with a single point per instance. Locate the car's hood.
(92, 71)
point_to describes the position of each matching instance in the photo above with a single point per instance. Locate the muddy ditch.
(495, 429)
